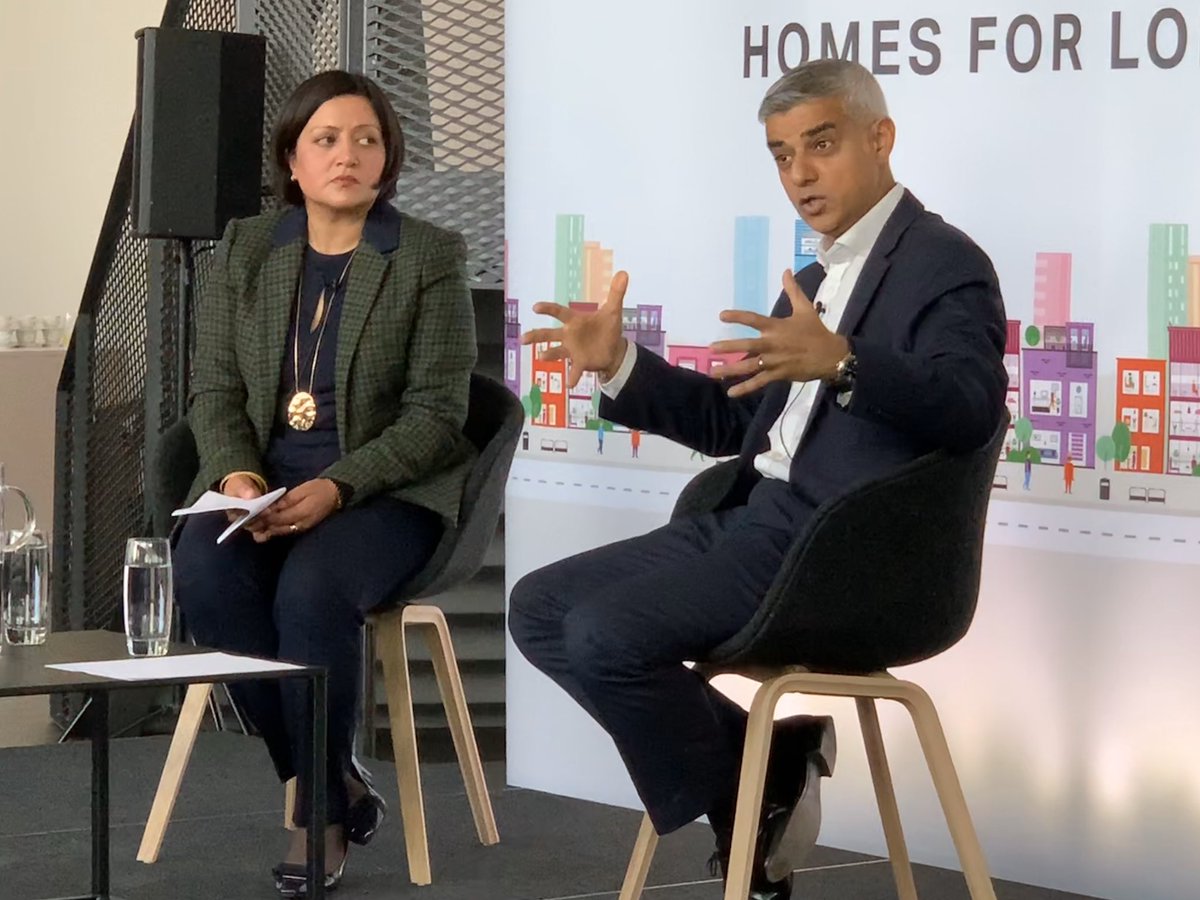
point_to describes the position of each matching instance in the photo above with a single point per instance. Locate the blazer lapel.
(277, 295)
(363, 282)
(878, 262)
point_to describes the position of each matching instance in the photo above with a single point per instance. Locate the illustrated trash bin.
(524, 440)
(1105, 485)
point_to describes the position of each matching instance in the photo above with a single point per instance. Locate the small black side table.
(23, 671)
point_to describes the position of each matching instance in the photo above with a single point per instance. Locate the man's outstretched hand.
(590, 341)
(796, 348)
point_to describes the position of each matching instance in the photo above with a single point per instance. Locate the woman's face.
(339, 156)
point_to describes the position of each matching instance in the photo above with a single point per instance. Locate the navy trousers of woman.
(302, 599)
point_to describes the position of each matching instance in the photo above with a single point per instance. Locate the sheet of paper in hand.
(211, 501)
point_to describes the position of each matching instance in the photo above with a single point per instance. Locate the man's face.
(833, 167)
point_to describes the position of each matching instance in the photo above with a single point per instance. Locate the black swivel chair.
(494, 421)
(907, 545)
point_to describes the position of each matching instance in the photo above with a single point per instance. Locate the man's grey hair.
(822, 79)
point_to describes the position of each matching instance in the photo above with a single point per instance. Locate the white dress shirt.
(843, 261)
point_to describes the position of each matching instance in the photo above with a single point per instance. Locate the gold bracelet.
(258, 480)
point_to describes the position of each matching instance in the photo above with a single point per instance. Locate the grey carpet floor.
(226, 834)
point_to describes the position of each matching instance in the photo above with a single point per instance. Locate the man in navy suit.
(891, 346)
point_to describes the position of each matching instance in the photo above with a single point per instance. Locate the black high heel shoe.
(291, 879)
(367, 813)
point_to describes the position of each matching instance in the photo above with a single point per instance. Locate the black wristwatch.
(845, 373)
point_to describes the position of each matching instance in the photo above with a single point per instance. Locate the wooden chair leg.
(885, 796)
(390, 648)
(191, 716)
(759, 730)
(289, 804)
(949, 791)
(639, 861)
(449, 680)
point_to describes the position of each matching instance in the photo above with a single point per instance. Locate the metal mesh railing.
(441, 62)
(118, 391)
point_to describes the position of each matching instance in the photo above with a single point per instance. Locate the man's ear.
(884, 138)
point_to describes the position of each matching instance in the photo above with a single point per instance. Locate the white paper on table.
(211, 501)
(189, 665)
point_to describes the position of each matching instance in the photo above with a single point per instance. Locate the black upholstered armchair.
(908, 545)
(494, 421)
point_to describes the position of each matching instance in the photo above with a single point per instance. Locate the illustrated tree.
(533, 403)
(595, 423)
(1023, 429)
(1033, 336)
(1106, 450)
(1122, 442)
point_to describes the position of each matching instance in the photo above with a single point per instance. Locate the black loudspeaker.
(198, 131)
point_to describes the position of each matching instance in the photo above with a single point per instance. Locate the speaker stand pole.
(187, 279)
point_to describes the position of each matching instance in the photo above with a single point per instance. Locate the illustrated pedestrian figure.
(1069, 474)
(600, 439)
(635, 441)
(1028, 467)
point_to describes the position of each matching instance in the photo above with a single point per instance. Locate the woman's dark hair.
(306, 100)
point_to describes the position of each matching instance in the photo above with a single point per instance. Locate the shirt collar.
(381, 230)
(860, 237)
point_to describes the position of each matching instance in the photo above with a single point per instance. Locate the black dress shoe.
(806, 753)
(762, 887)
(803, 750)
(291, 879)
(367, 813)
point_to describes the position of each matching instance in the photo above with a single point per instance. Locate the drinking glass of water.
(149, 596)
(24, 586)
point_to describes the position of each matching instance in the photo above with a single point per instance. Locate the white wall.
(1070, 706)
(67, 77)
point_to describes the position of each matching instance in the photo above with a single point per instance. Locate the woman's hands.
(244, 488)
(301, 509)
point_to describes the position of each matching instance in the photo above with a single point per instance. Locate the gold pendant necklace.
(302, 407)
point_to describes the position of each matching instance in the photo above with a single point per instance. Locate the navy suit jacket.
(927, 324)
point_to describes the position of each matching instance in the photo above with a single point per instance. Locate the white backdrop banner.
(1063, 138)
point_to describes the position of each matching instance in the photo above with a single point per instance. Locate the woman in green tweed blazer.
(335, 343)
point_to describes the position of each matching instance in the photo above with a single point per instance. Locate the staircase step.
(482, 595)
(485, 715)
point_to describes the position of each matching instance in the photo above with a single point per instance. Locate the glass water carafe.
(16, 579)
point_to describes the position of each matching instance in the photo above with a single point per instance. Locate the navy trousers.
(303, 600)
(613, 626)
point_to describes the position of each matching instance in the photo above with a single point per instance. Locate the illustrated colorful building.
(1166, 298)
(804, 248)
(1193, 291)
(1183, 386)
(512, 345)
(1058, 385)
(568, 258)
(643, 325)
(1012, 364)
(751, 251)
(1142, 405)
(551, 378)
(699, 359)
(597, 272)
(1051, 289)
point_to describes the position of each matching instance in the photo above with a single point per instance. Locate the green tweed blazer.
(405, 351)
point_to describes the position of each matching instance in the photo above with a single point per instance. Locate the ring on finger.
(762, 363)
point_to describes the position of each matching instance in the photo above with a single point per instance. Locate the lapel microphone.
(820, 308)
